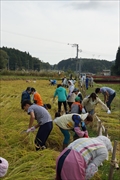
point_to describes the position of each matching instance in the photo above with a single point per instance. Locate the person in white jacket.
(89, 103)
(74, 122)
(71, 95)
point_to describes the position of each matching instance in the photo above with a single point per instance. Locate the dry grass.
(18, 149)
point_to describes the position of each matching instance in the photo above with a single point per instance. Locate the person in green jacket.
(62, 97)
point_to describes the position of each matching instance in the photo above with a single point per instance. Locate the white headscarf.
(106, 142)
(3, 166)
(71, 87)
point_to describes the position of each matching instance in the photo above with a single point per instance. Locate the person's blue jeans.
(91, 112)
(111, 97)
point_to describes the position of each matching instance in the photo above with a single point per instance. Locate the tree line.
(13, 59)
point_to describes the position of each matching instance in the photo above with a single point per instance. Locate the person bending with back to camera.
(109, 95)
(81, 159)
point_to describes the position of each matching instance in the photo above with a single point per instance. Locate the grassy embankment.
(24, 162)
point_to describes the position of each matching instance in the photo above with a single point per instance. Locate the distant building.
(106, 72)
(86, 74)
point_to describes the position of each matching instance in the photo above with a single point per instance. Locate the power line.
(58, 42)
(38, 38)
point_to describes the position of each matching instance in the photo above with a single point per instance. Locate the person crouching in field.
(44, 123)
(73, 122)
(81, 159)
(76, 107)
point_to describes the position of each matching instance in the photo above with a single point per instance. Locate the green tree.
(3, 59)
(115, 70)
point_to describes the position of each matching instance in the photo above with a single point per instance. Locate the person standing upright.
(71, 95)
(109, 95)
(25, 95)
(87, 82)
(62, 97)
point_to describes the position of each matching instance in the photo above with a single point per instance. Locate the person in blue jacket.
(62, 97)
(86, 82)
(26, 95)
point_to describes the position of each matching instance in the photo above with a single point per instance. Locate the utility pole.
(77, 46)
(80, 63)
(77, 50)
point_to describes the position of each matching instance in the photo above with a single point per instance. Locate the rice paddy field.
(24, 162)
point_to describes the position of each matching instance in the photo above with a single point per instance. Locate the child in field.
(76, 106)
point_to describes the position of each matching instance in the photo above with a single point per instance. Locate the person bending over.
(44, 123)
(81, 159)
(74, 122)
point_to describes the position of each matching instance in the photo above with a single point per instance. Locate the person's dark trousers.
(70, 104)
(60, 104)
(111, 97)
(42, 134)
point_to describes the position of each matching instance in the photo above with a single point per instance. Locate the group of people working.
(81, 158)
(78, 104)
(37, 110)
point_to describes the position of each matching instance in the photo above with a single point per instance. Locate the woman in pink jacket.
(81, 159)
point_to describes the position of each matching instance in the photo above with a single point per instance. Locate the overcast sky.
(45, 28)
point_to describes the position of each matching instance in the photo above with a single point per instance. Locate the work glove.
(86, 134)
(83, 111)
(68, 96)
(109, 112)
(83, 126)
(90, 171)
(31, 129)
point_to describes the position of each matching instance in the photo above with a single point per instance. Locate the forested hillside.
(13, 59)
(87, 65)
(18, 60)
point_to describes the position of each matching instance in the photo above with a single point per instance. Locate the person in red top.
(36, 97)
